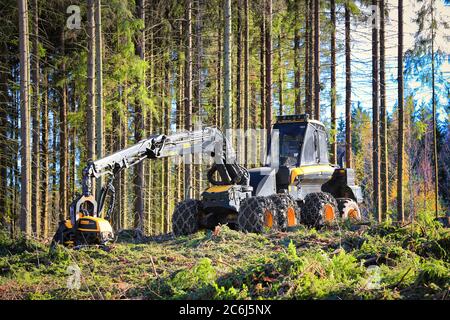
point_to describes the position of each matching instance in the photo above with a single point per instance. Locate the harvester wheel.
(185, 219)
(319, 208)
(349, 209)
(287, 211)
(257, 214)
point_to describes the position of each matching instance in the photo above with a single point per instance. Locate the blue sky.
(361, 57)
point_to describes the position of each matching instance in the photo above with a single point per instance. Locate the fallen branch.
(154, 267)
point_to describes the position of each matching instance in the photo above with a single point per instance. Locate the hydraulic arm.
(209, 140)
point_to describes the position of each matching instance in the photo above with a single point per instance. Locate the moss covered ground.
(339, 262)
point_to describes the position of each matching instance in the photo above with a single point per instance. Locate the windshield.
(291, 140)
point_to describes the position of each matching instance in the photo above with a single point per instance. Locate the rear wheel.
(287, 211)
(185, 219)
(319, 208)
(349, 209)
(257, 214)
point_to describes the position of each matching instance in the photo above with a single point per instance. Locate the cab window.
(323, 147)
(309, 153)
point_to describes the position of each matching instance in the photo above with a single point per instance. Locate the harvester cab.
(299, 184)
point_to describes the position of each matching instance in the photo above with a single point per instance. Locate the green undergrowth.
(339, 262)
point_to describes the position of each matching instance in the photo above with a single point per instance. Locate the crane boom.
(207, 140)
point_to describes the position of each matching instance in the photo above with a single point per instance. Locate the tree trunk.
(239, 118)
(383, 117)
(400, 209)
(116, 133)
(36, 157)
(5, 156)
(163, 176)
(188, 94)
(280, 76)
(246, 76)
(123, 175)
(333, 82)
(268, 71)
(375, 121)
(227, 66)
(63, 150)
(149, 125)
(45, 164)
(167, 178)
(307, 59)
(179, 116)
(262, 64)
(25, 163)
(198, 85)
(317, 59)
(219, 106)
(99, 133)
(138, 135)
(90, 110)
(435, 153)
(297, 73)
(348, 91)
(311, 59)
(53, 189)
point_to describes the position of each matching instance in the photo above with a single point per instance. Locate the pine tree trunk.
(198, 185)
(317, 59)
(149, 126)
(138, 136)
(36, 158)
(167, 162)
(297, 73)
(5, 101)
(123, 175)
(54, 173)
(280, 76)
(268, 70)
(239, 114)
(435, 153)
(307, 59)
(45, 162)
(90, 110)
(227, 66)
(219, 107)
(99, 129)
(188, 95)
(348, 91)
(246, 76)
(25, 163)
(262, 65)
(333, 82)
(179, 119)
(63, 150)
(163, 185)
(375, 121)
(400, 209)
(383, 117)
(116, 133)
(311, 59)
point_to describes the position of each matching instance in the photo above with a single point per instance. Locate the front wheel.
(257, 214)
(287, 211)
(185, 219)
(318, 209)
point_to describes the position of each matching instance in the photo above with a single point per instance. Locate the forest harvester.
(298, 184)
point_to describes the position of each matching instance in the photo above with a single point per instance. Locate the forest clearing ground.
(344, 262)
